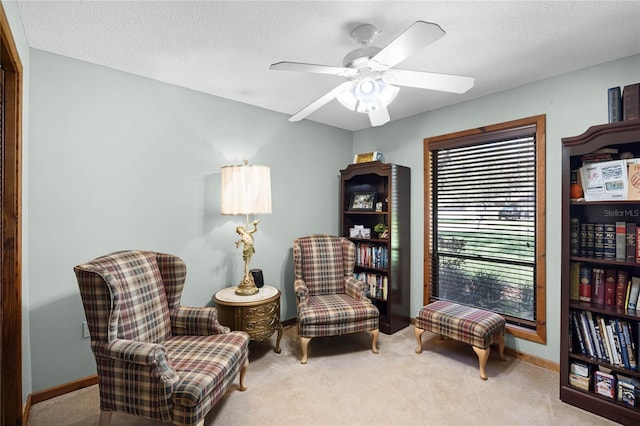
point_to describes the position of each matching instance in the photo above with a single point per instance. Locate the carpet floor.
(344, 383)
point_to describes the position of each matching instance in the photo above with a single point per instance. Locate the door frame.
(11, 229)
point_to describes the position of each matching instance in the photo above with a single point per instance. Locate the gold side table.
(257, 314)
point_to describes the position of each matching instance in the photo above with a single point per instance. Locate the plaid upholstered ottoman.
(473, 326)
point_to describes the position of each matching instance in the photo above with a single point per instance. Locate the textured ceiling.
(224, 48)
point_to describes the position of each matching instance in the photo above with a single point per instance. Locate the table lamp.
(246, 190)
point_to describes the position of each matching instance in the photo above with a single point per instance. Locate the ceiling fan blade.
(379, 115)
(320, 102)
(414, 38)
(428, 80)
(318, 69)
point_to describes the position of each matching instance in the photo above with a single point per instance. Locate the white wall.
(123, 162)
(571, 102)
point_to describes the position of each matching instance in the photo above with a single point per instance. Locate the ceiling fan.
(372, 80)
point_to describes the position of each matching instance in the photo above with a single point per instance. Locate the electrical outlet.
(85, 330)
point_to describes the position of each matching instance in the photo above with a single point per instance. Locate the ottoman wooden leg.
(418, 332)
(501, 344)
(483, 356)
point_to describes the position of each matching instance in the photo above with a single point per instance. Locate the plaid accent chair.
(155, 358)
(330, 300)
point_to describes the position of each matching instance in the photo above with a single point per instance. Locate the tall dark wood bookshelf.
(390, 267)
(625, 137)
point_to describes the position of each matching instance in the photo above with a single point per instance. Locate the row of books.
(612, 241)
(611, 340)
(372, 255)
(378, 284)
(617, 386)
(600, 286)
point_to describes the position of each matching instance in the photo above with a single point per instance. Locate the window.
(484, 222)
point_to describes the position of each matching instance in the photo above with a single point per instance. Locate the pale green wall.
(124, 162)
(571, 102)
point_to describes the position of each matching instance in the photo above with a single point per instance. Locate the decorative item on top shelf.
(631, 102)
(368, 156)
(575, 191)
(362, 201)
(615, 104)
(382, 230)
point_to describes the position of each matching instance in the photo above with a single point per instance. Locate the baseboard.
(55, 391)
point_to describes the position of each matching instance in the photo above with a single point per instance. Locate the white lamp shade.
(362, 95)
(246, 190)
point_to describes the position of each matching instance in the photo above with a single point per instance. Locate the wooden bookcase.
(624, 136)
(385, 261)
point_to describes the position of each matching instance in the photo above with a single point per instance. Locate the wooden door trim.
(11, 251)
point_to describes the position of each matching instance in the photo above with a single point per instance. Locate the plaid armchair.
(330, 300)
(155, 358)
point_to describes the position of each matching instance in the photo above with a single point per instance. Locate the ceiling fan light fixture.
(361, 97)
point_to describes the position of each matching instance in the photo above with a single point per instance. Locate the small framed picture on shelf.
(362, 201)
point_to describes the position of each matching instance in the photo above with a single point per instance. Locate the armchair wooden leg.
(243, 372)
(374, 340)
(105, 418)
(304, 344)
(418, 332)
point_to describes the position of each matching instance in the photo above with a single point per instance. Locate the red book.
(597, 286)
(585, 283)
(610, 287)
(621, 288)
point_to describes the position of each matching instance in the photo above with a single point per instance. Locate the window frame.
(477, 136)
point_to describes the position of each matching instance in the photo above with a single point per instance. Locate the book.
(579, 382)
(598, 240)
(621, 288)
(634, 293)
(574, 240)
(585, 283)
(604, 384)
(586, 333)
(614, 98)
(630, 345)
(583, 239)
(581, 369)
(610, 241)
(597, 286)
(631, 242)
(602, 329)
(610, 287)
(628, 389)
(623, 343)
(574, 280)
(631, 102)
(621, 241)
(637, 245)
(614, 347)
(579, 336)
(590, 240)
(595, 337)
